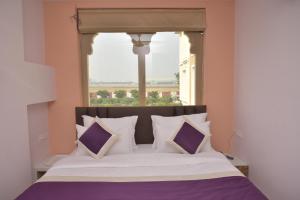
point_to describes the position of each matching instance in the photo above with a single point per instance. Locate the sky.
(112, 59)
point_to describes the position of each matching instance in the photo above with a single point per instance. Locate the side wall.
(21, 83)
(267, 94)
(34, 36)
(62, 52)
(38, 133)
(34, 52)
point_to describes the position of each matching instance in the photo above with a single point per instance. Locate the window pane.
(169, 67)
(167, 82)
(113, 71)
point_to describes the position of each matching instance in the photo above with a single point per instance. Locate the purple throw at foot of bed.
(231, 188)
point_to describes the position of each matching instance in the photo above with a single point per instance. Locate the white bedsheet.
(144, 148)
(142, 165)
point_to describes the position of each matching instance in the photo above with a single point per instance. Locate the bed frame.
(143, 129)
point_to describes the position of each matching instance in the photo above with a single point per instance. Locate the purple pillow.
(97, 140)
(188, 139)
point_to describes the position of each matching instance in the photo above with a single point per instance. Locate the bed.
(143, 174)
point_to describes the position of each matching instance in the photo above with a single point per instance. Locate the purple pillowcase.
(188, 139)
(97, 140)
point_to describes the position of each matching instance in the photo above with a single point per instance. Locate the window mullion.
(141, 48)
(142, 79)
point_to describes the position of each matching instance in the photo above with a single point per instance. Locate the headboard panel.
(143, 129)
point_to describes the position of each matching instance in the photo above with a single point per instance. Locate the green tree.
(153, 95)
(103, 93)
(166, 100)
(93, 101)
(120, 93)
(134, 94)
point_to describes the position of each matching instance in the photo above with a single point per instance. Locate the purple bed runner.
(231, 188)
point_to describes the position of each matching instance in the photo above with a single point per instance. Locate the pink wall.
(62, 52)
(268, 95)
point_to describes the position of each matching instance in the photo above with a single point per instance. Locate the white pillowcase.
(123, 127)
(165, 128)
(175, 120)
(201, 117)
(79, 150)
(90, 147)
(88, 121)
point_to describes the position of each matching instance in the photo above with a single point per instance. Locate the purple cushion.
(189, 138)
(96, 138)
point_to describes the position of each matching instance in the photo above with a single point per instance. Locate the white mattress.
(144, 162)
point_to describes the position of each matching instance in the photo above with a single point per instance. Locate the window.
(150, 39)
(141, 69)
(113, 71)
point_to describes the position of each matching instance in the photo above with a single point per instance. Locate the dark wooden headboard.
(143, 129)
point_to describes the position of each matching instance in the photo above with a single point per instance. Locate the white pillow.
(201, 117)
(123, 127)
(166, 127)
(197, 118)
(163, 129)
(97, 132)
(79, 150)
(205, 126)
(201, 123)
(88, 121)
(184, 144)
